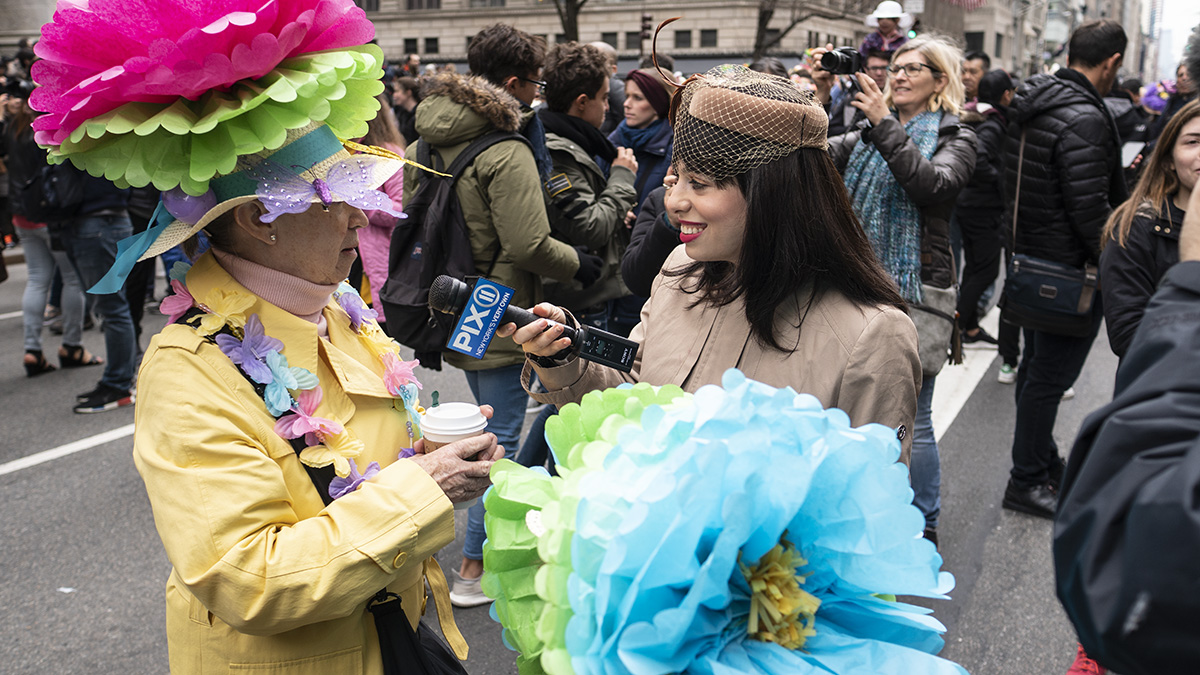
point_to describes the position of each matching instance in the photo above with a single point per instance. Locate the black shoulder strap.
(424, 156)
(477, 147)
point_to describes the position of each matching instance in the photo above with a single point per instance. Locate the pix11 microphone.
(450, 296)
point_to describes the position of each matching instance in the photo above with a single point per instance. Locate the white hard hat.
(890, 9)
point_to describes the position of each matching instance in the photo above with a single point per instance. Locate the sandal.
(77, 357)
(38, 364)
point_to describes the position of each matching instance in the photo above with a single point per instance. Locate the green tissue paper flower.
(531, 522)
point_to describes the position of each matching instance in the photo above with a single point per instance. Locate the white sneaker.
(467, 592)
(1069, 394)
(1008, 374)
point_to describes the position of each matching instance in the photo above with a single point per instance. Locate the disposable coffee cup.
(451, 422)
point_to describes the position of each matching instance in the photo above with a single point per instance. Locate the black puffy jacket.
(1133, 272)
(983, 197)
(1071, 180)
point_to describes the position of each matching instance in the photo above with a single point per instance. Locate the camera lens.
(842, 61)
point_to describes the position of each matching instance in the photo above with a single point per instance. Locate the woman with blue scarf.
(903, 168)
(646, 131)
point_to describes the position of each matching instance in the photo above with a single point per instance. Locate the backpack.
(52, 194)
(433, 240)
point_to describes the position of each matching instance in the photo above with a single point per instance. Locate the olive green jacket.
(500, 194)
(587, 209)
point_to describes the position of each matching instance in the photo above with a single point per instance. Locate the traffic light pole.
(647, 26)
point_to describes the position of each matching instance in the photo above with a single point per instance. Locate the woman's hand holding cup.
(462, 468)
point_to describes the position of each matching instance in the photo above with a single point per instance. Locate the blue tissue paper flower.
(743, 530)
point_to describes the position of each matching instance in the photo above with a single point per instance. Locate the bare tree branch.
(801, 11)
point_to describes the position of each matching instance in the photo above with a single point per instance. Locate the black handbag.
(1049, 296)
(419, 652)
(1044, 295)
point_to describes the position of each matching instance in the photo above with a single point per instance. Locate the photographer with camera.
(904, 167)
(847, 61)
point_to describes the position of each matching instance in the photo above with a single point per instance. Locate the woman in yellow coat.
(264, 572)
(277, 427)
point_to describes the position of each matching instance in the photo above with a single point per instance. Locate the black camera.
(842, 61)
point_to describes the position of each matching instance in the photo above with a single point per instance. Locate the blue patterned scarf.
(891, 220)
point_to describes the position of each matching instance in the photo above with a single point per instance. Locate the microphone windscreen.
(442, 294)
(1191, 54)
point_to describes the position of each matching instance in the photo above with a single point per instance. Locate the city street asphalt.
(83, 570)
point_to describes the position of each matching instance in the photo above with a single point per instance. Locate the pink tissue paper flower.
(99, 55)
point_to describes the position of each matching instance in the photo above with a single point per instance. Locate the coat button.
(1168, 230)
(398, 562)
(1157, 228)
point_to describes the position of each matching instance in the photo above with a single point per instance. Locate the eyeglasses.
(912, 69)
(540, 85)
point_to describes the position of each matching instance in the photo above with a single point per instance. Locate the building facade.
(708, 32)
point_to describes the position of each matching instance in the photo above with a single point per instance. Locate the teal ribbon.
(130, 249)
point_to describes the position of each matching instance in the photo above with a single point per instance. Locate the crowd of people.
(841, 234)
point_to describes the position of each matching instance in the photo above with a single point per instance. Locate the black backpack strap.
(477, 146)
(468, 155)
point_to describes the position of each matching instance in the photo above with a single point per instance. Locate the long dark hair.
(801, 232)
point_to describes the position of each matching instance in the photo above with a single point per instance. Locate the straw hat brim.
(381, 169)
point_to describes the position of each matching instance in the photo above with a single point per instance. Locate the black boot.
(1037, 501)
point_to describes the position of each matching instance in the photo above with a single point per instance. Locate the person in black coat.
(1064, 143)
(1142, 236)
(981, 204)
(1127, 533)
(653, 238)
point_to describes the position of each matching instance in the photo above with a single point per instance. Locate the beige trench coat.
(858, 358)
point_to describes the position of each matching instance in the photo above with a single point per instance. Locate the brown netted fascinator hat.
(732, 119)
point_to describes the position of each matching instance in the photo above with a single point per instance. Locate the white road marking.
(954, 386)
(10, 315)
(956, 383)
(64, 450)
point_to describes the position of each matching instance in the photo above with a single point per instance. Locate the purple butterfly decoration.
(281, 190)
(251, 352)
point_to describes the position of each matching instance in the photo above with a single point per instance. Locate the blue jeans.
(1049, 366)
(500, 388)
(535, 451)
(92, 242)
(40, 261)
(925, 467)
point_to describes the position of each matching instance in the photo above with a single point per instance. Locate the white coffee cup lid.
(453, 419)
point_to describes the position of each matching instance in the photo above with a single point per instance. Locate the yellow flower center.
(780, 611)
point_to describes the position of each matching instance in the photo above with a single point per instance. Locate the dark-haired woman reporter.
(776, 281)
